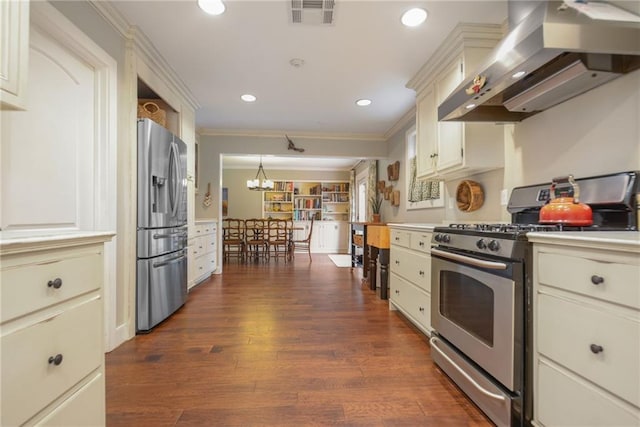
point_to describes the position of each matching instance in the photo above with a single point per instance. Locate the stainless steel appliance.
(481, 288)
(551, 55)
(161, 286)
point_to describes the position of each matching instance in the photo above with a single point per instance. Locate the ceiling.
(365, 53)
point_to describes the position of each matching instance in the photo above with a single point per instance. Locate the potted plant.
(376, 204)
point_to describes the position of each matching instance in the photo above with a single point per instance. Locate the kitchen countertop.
(414, 226)
(20, 241)
(205, 220)
(628, 241)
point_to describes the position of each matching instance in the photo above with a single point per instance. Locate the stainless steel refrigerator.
(161, 286)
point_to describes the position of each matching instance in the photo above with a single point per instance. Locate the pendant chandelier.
(259, 184)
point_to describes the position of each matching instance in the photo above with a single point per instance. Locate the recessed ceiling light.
(212, 7)
(363, 102)
(519, 74)
(414, 17)
(247, 97)
(296, 62)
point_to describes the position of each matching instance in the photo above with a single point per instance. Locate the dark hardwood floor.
(283, 344)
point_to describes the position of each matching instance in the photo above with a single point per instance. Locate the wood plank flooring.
(283, 344)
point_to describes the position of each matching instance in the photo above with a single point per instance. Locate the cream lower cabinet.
(202, 251)
(586, 335)
(52, 335)
(330, 237)
(410, 278)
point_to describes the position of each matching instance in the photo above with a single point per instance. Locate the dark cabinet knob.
(56, 360)
(397, 292)
(421, 309)
(596, 280)
(397, 262)
(421, 273)
(595, 348)
(55, 284)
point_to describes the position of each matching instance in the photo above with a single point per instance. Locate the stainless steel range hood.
(562, 53)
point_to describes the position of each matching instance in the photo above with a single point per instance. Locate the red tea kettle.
(564, 206)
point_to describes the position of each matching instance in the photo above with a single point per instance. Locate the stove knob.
(481, 244)
(446, 238)
(438, 237)
(494, 246)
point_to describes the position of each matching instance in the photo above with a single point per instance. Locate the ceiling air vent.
(314, 12)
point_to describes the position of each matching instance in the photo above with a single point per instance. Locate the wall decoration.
(225, 202)
(381, 186)
(387, 192)
(393, 171)
(395, 198)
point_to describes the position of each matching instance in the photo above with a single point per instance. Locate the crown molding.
(279, 134)
(464, 35)
(143, 47)
(401, 123)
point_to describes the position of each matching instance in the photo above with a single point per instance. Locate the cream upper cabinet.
(426, 132)
(14, 51)
(454, 149)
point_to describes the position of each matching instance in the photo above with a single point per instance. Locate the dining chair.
(278, 239)
(233, 239)
(304, 243)
(257, 247)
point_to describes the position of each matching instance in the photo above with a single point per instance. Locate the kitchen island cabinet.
(51, 327)
(410, 265)
(586, 305)
(454, 149)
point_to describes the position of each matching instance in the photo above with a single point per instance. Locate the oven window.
(468, 303)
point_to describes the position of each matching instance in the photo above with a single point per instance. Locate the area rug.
(341, 260)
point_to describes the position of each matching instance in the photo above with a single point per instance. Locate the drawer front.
(208, 228)
(413, 266)
(209, 243)
(199, 246)
(86, 407)
(566, 332)
(29, 381)
(400, 238)
(415, 303)
(564, 400)
(25, 288)
(619, 281)
(200, 230)
(421, 241)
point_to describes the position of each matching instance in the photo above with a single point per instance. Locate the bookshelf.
(304, 200)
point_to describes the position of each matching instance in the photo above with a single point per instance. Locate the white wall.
(595, 133)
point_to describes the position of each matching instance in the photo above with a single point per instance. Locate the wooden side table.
(378, 241)
(358, 240)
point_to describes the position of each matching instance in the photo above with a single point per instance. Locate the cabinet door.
(450, 134)
(14, 49)
(426, 133)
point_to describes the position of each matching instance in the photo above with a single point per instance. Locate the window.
(421, 193)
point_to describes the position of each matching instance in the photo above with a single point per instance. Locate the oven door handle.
(492, 265)
(433, 342)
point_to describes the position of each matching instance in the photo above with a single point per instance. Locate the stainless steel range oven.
(478, 312)
(481, 293)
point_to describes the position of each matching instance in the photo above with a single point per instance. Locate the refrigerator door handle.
(174, 173)
(169, 261)
(169, 235)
